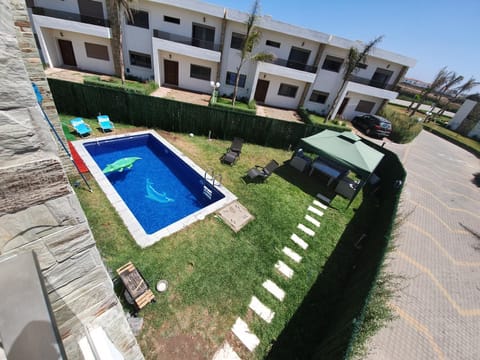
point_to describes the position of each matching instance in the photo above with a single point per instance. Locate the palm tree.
(440, 79)
(354, 59)
(460, 90)
(116, 10)
(252, 37)
(452, 80)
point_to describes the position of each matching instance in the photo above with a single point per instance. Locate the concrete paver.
(438, 302)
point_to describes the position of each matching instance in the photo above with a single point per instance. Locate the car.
(373, 125)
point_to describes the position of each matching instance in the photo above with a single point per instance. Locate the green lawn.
(96, 130)
(212, 271)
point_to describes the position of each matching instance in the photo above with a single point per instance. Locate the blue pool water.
(160, 188)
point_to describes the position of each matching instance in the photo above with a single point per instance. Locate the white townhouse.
(188, 43)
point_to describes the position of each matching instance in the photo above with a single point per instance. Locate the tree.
(354, 59)
(437, 83)
(252, 37)
(452, 80)
(117, 9)
(460, 90)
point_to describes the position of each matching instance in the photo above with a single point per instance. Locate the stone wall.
(34, 67)
(39, 210)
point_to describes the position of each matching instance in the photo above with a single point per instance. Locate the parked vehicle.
(373, 125)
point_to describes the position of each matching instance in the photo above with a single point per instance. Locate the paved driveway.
(438, 255)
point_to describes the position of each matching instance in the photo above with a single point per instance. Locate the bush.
(404, 128)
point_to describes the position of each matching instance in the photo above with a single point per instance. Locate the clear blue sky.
(436, 33)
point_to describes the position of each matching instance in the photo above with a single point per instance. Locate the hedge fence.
(170, 115)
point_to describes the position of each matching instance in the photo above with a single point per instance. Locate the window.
(237, 41)
(319, 97)
(381, 78)
(97, 51)
(365, 106)
(231, 76)
(139, 59)
(332, 63)
(272, 43)
(362, 66)
(203, 36)
(298, 58)
(287, 90)
(140, 19)
(200, 72)
(170, 19)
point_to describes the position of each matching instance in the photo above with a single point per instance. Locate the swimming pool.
(155, 188)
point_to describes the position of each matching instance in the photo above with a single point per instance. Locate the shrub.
(404, 128)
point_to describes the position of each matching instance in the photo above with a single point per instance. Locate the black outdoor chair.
(233, 152)
(262, 173)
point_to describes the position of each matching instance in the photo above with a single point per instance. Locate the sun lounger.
(81, 128)
(105, 123)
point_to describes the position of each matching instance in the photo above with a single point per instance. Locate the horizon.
(429, 39)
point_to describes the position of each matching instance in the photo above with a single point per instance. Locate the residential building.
(188, 44)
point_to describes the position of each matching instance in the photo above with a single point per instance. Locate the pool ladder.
(206, 190)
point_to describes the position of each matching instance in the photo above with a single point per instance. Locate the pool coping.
(136, 230)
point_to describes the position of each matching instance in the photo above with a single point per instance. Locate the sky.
(436, 33)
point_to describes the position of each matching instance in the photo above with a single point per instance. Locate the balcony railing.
(70, 16)
(204, 44)
(370, 82)
(294, 65)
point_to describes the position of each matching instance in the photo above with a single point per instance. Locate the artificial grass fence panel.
(170, 115)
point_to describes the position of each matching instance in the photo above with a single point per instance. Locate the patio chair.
(81, 128)
(105, 123)
(233, 152)
(262, 173)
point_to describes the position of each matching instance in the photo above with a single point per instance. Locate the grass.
(404, 127)
(139, 87)
(96, 130)
(212, 271)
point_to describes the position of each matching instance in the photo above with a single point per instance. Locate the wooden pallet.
(136, 285)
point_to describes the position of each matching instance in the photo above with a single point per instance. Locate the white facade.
(188, 43)
(467, 108)
(462, 114)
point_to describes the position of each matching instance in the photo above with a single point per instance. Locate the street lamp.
(215, 86)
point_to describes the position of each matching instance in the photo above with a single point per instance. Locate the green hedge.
(170, 115)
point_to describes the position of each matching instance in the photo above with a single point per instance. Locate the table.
(326, 169)
(135, 286)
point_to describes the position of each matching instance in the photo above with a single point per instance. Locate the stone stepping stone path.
(249, 339)
(284, 269)
(314, 221)
(226, 353)
(274, 289)
(306, 230)
(297, 240)
(292, 254)
(261, 310)
(240, 328)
